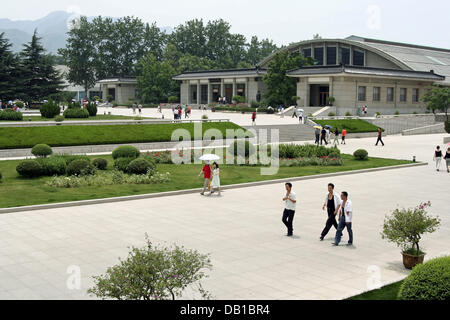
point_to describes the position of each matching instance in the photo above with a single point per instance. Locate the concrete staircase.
(289, 132)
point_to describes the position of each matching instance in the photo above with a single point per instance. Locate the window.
(415, 97)
(376, 93)
(344, 55)
(362, 93)
(331, 56)
(403, 93)
(390, 94)
(318, 56)
(358, 58)
(307, 52)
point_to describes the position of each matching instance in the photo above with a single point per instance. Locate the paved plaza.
(251, 256)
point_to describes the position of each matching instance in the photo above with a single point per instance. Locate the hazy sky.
(284, 21)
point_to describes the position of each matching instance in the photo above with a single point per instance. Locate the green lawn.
(96, 118)
(389, 292)
(56, 136)
(352, 125)
(19, 191)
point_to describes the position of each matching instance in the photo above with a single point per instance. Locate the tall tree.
(258, 50)
(190, 38)
(79, 55)
(438, 99)
(9, 64)
(40, 78)
(154, 41)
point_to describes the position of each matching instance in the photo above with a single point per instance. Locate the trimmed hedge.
(10, 115)
(91, 107)
(100, 163)
(80, 168)
(429, 281)
(41, 150)
(70, 157)
(30, 169)
(126, 152)
(361, 154)
(76, 113)
(50, 110)
(121, 164)
(292, 151)
(53, 166)
(141, 166)
(248, 150)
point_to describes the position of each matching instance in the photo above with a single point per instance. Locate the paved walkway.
(252, 258)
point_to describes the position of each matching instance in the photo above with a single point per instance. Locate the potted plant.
(405, 228)
(331, 100)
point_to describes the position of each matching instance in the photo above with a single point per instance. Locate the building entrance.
(319, 95)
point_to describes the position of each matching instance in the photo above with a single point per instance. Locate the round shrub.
(140, 166)
(91, 107)
(205, 117)
(76, 113)
(70, 158)
(121, 164)
(429, 281)
(41, 150)
(59, 118)
(50, 110)
(29, 169)
(361, 154)
(126, 152)
(246, 151)
(332, 114)
(53, 166)
(100, 163)
(19, 104)
(348, 114)
(80, 168)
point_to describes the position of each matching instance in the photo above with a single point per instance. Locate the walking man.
(206, 171)
(317, 133)
(323, 137)
(345, 220)
(289, 211)
(344, 134)
(254, 118)
(332, 203)
(438, 157)
(336, 137)
(380, 136)
(300, 116)
(294, 115)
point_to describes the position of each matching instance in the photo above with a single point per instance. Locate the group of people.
(323, 135)
(11, 105)
(139, 107)
(211, 177)
(438, 156)
(298, 113)
(222, 100)
(178, 112)
(339, 207)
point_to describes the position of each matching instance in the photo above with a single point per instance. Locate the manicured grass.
(18, 191)
(352, 125)
(96, 118)
(55, 136)
(389, 292)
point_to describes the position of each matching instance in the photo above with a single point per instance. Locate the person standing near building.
(300, 116)
(294, 114)
(317, 133)
(344, 135)
(175, 113)
(380, 137)
(438, 158)
(290, 205)
(336, 137)
(134, 108)
(332, 203)
(254, 118)
(140, 109)
(345, 220)
(323, 137)
(447, 159)
(215, 183)
(206, 171)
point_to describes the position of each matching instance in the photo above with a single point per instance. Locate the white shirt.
(348, 208)
(289, 204)
(337, 200)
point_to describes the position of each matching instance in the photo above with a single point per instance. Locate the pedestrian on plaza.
(175, 113)
(317, 133)
(328, 134)
(300, 116)
(186, 112)
(220, 100)
(206, 171)
(332, 203)
(366, 110)
(140, 108)
(336, 137)
(224, 100)
(345, 220)
(215, 183)
(438, 157)
(254, 118)
(134, 108)
(447, 159)
(380, 137)
(190, 111)
(323, 137)
(344, 135)
(290, 204)
(294, 115)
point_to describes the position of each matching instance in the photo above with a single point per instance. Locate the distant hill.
(52, 29)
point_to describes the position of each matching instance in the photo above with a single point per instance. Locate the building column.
(351, 55)
(189, 93)
(209, 92)
(247, 91)
(307, 93)
(325, 55)
(199, 92)
(234, 88)
(222, 88)
(338, 61)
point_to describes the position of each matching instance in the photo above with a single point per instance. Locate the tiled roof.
(221, 73)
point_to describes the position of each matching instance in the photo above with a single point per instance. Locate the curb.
(192, 191)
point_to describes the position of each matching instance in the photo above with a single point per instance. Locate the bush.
(173, 99)
(19, 104)
(10, 115)
(378, 113)
(76, 113)
(30, 169)
(331, 114)
(141, 166)
(69, 158)
(100, 163)
(397, 113)
(80, 168)
(243, 149)
(348, 114)
(53, 166)
(429, 281)
(50, 110)
(239, 99)
(255, 104)
(126, 152)
(59, 118)
(41, 150)
(361, 154)
(121, 164)
(292, 151)
(91, 107)
(74, 105)
(154, 273)
(205, 117)
(447, 126)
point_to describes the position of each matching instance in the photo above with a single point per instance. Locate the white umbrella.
(209, 157)
(301, 110)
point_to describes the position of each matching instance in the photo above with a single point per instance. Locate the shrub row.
(10, 115)
(292, 151)
(76, 113)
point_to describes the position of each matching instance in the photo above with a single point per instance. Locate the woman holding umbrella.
(215, 183)
(206, 171)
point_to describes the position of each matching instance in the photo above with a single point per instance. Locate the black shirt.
(447, 155)
(438, 154)
(330, 204)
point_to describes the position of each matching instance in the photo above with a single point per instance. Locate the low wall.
(447, 140)
(436, 128)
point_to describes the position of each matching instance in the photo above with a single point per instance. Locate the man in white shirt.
(345, 220)
(289, 211)
(332, 204)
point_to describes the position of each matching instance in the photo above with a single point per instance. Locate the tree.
(280, 88)
(153, 42)
(155, 83)
(258, 50)
(8, 71)
(438, 98)
(190, 38)
(153, 273)
(79, 55)
(39, 77)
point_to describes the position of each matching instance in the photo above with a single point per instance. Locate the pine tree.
(39, 77)
(8, 71)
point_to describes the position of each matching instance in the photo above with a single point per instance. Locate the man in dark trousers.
(323, 136)
(380, 137)
(289, 211)
(332, 203)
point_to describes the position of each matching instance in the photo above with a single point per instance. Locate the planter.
(410, 261)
